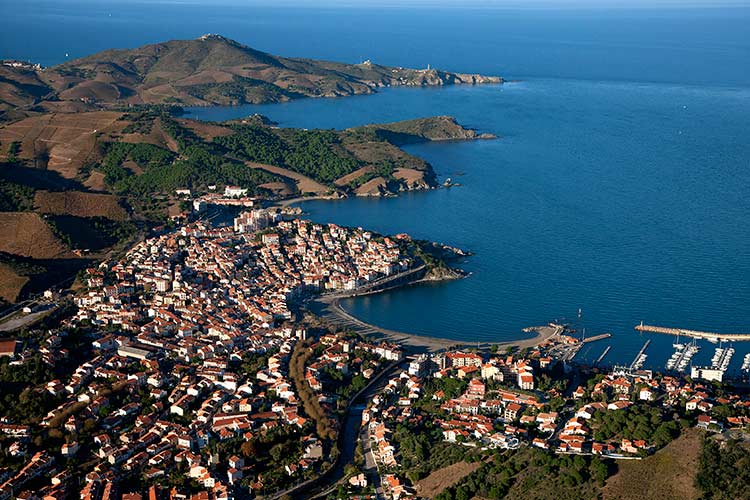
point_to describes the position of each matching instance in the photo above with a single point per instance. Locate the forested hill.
(209, 70)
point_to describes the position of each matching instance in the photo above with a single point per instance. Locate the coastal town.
(190, 339)
(190, 369)
(490, 403)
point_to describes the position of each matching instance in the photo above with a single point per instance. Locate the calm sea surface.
(620, 182)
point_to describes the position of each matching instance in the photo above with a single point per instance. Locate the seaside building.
(705, 373)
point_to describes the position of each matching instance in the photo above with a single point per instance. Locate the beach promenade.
(330, 309)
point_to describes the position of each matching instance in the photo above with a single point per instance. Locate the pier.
(596, 337)
(712, 336)
(640, 358)
(682, 356)
(600, 358)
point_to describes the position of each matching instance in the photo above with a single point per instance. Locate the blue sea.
(619, 183)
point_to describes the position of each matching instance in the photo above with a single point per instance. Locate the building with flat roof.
(707, 373)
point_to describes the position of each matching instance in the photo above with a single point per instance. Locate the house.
(359, 481)
(527, 419)
(476, 389)
(706, 422)
(621, 386)
(511, 411)
(236, 462)
(575, 426)
(586, 412)
(646, 394)
(459, 359)
(491, 371)
(70, 449)
(526, 381)
(602, 448)
(633, 446)
(313, 450)
(453, 435)
(579, 392)
(692, 405)
(576, 446)
(704, 406)
(547, 417)
(618, 405)
(467, 370)
(234, 475)
(540, 443)
(396, 487)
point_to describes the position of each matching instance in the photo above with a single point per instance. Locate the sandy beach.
(329, 308)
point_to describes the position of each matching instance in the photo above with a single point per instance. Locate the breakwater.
(711, 336)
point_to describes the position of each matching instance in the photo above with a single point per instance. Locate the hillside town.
(187, 369)
(183, 376)
(491, 403)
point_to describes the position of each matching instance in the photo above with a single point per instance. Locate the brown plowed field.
(11, 283)
(27, 235)
(65, 139)
(80, 204)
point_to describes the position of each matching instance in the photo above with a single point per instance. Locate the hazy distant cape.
(210, 70)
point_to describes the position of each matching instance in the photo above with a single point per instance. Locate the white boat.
(746, 362)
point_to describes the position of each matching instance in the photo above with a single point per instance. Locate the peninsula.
(210, 70)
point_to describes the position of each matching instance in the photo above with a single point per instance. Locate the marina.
(722, 357)
(682, 356)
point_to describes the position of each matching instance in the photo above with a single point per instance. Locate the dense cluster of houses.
(231, 278)
(175, 319)
(470, 418)
(501, 409)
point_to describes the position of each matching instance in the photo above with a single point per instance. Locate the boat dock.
(682, 356)
(722, 357)
(710, 336)
(596, 337)
(640, 358)
(600, 358)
